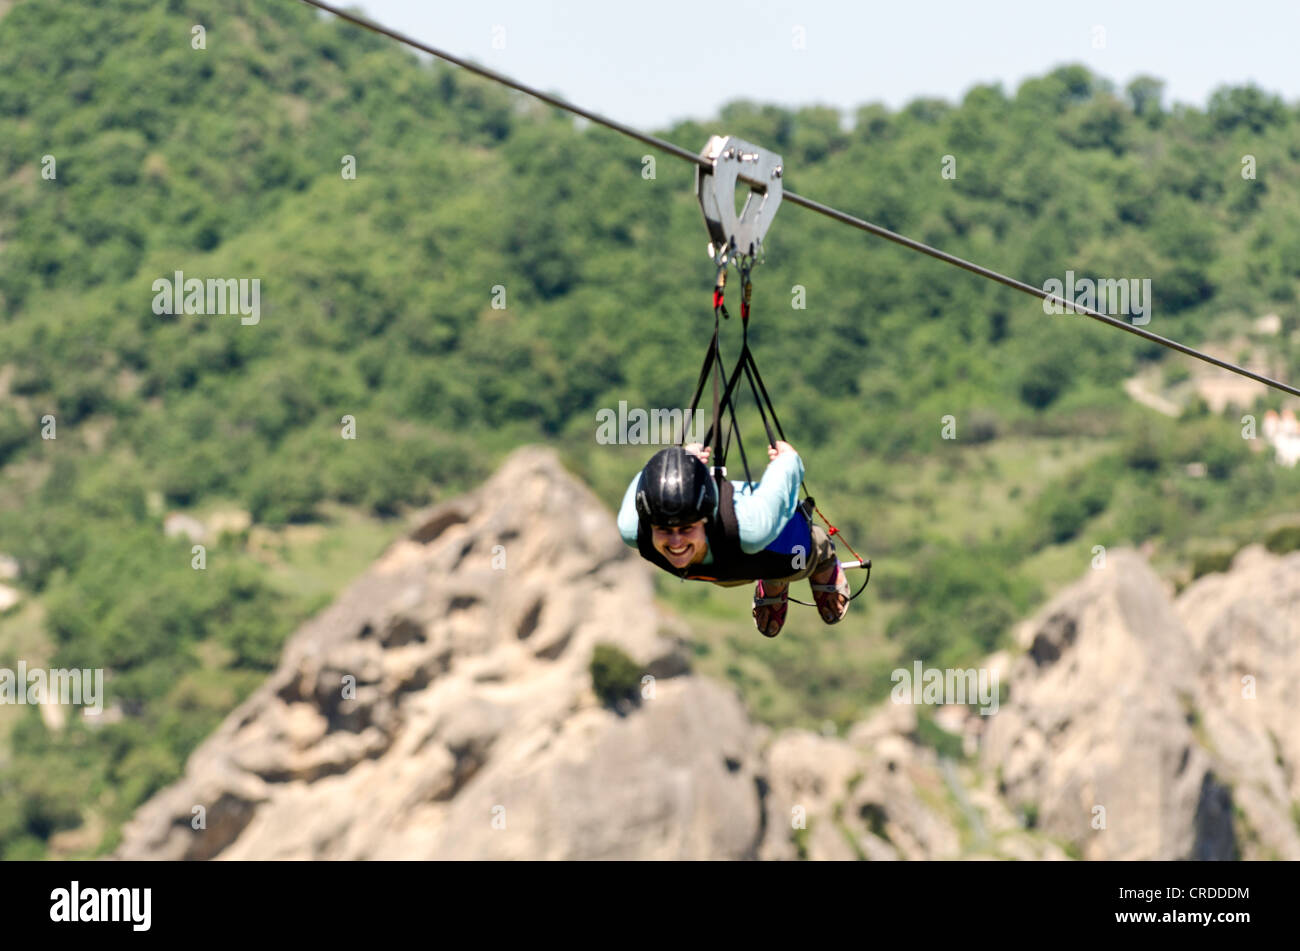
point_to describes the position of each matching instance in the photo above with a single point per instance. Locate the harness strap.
(709, 357)
(719, 457)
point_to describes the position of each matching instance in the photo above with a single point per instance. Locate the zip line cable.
(810, 204)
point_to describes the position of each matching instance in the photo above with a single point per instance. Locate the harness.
(730, 561)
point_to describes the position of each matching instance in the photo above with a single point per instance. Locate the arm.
(627, 516)
(763, 513)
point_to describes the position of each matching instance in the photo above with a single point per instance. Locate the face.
(683, 545)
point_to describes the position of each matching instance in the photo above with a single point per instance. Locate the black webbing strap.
(725, 400)
(751, 373)
(728, 403)
(719, 455)
(712, 361)
(760, 388)
(740, 443)
(709, 357)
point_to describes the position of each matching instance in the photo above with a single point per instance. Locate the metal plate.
(735, 160)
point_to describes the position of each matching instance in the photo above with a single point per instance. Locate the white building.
(1284, 433)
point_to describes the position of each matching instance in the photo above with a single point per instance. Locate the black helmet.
(676, 489)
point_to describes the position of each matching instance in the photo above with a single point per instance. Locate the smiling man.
(733, 533)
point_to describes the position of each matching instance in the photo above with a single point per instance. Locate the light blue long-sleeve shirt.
(762, 508)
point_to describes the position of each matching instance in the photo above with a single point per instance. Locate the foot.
(770, 607)
(831, 592)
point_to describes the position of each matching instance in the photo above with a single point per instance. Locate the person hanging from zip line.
(733, 533)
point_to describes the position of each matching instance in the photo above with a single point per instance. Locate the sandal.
(775, 615)
(822, 594)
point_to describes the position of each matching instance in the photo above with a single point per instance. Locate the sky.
(649, 64)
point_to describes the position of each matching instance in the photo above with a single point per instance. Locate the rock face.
(442, 708)
(1146, 728)
(1244, 628)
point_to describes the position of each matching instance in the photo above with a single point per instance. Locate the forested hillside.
(377, 303)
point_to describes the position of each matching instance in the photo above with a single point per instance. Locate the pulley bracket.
(734, 160)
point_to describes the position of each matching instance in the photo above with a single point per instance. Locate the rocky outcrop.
(1141, 727)
(442, 707)
(1244, 628)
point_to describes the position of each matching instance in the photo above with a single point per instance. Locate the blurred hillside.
(376, 299)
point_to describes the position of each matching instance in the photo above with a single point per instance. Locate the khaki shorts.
(820, 559)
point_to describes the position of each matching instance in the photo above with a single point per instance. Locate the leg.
(770, 606)
(829, 586)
